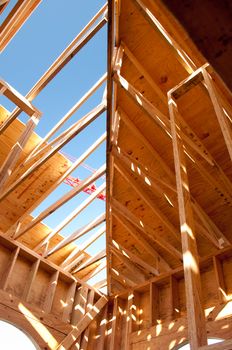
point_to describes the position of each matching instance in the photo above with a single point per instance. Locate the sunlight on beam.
(38, 326)
(190, 262)
(186, 229)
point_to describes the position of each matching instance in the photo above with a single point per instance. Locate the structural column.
(195, 312)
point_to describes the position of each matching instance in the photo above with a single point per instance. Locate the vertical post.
(195, 312)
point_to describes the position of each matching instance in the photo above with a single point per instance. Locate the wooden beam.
(208, 223)
(135, 258)
(94, 272)
(68, 115)
(143, 242)
(14, 229)
(79, 233)
(74, 130)
(140, 277)
(195, 312)
(222, 120)
(15, 19)
(69, 261)
(71, 216)
(18, 99)
(15, 152)
(82, 324)
(145, 229)
(64, 199)
(92, 260)
(122, 278)
(181, 55)
(3, 4)
(163, 123)
(73, 48)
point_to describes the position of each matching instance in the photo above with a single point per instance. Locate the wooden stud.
(51, 292)
(220, 281)
(102, 329)
(174, 298)
(154, 304)
(66, 316)
(80, 304)
(8, 271)
(31, 278)
(85, 337)
(195, 312)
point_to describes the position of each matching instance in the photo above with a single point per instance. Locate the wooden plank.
(51, 292)
(31, 278)
(82, 325)
(122, 278)
(115, 321)
(8, 271)
(195, 312)
(66, 316)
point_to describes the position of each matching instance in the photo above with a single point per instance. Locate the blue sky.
(48, 31)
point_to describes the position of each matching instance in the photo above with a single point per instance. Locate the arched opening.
(186, 346)
(13, 338)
